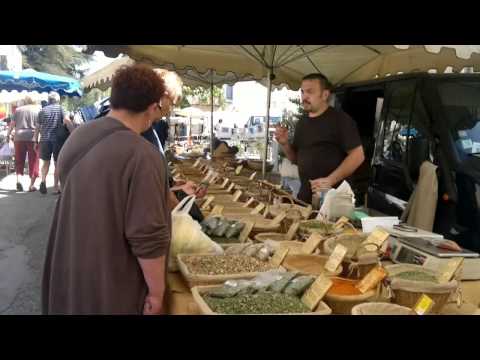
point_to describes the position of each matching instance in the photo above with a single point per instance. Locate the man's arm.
(154, 274)
(281, 135)
(348, 166)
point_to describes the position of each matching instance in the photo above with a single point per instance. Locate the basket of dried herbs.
(309, 227)
(344, 295)
(381, 308)
(208, 269)
(272, 293)
(308, 264)
(359, 260)
(408, 283)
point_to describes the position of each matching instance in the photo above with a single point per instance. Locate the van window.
(461, 101)
(405, 128)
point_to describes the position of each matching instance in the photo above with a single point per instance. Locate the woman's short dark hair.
(324, 82)
(135, 88)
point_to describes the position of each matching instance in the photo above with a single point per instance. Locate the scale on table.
(419, 248)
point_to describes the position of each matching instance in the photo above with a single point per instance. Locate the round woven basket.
(257, 165)
(353, 267)
(408, 292)
(309, 264)
(379, 308)
(199, 291)
(262, 237)
(343, 304)
(305, 230)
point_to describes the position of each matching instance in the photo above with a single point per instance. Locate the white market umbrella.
(287, 64)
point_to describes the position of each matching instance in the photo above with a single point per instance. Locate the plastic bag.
(6, 151)
(187, 235)
(298, 285)
(337, 203)
(279, 285)
(263, 281)
(231, 288)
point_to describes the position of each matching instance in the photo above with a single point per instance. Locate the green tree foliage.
(61, 60)
(201, 96)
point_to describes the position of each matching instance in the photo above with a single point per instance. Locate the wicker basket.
(379, 308)
(260, 223)
(408, 292)
(356, 264)
(197, 279)
(305, 231)
(308, 264)
(343, 304)
(262, 237)
(295, 212)
(257, 165)
(198, 291)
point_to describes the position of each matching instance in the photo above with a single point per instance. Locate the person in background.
(110, 238)
(50, 118)
(178, 189)
(24, 122)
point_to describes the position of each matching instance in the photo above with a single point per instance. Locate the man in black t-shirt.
(326, 145)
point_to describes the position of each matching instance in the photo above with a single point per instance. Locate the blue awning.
(31, 80)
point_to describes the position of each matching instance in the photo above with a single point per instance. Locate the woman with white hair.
(25, 122)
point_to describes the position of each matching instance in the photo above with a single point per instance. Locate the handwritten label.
(237, 195)
(238, 170)
(225, 182)
(230, 188)
(336, 258)
(341, 222)
(292, 231)
(424, 305)
(173, 171)
(315, 293)
(252, 176)
(196, 163)
(312, 243)
(372, 279)
(449, 269)
(207, 202)
(246, 231)
(377, 237)
(247, 204)
(279, 218)
(217, 210)
(169, 163)
(279, 256)
(257, 209)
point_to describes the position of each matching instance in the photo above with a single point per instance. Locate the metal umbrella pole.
(211, 118)
(270, 77)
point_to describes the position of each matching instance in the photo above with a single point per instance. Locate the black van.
(406, 119)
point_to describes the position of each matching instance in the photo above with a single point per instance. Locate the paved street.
(24, 225)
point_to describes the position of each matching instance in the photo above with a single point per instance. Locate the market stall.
(254, 255)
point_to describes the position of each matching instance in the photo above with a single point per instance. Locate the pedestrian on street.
(50, 118)
(24, 123)
(110, 238)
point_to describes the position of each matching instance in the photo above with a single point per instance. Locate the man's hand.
(322, 184)
(201, 192)
(153, 306)
(180, 182)
(281, 135)
(189, 187)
